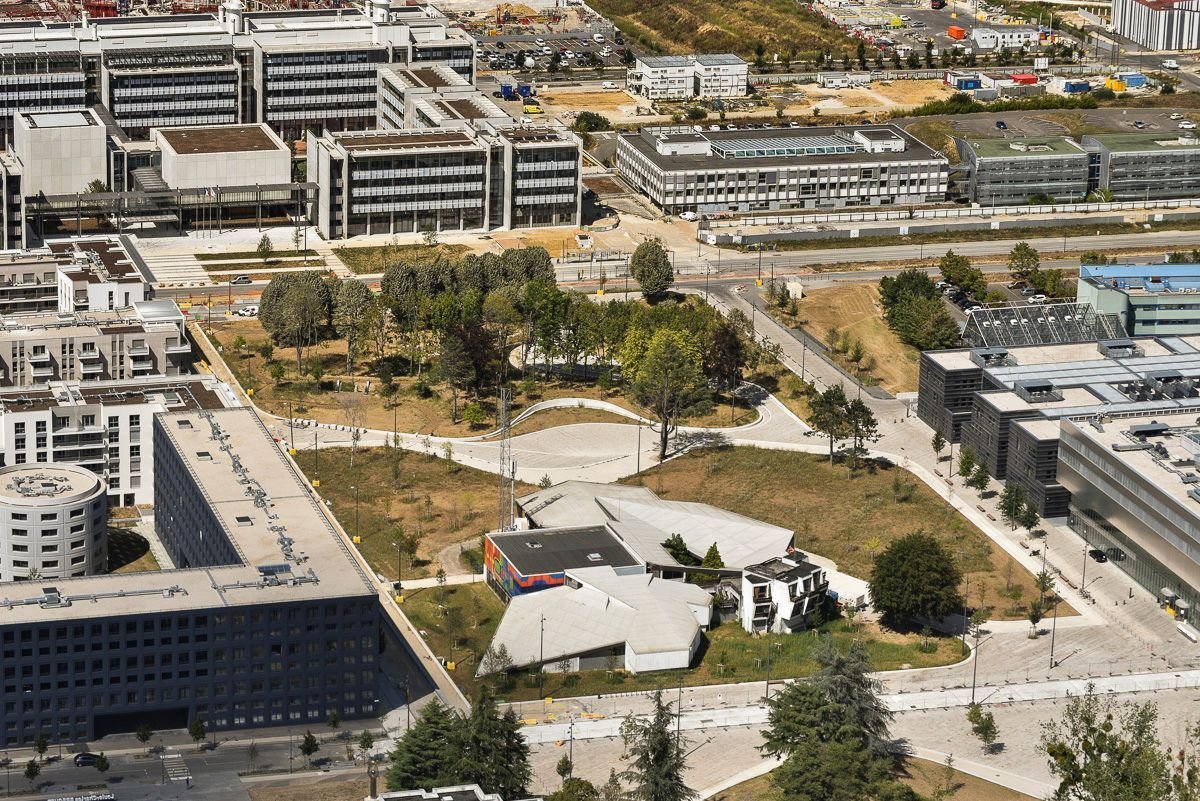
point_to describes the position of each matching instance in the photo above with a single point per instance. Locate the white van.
(608, 85)
(598, 38)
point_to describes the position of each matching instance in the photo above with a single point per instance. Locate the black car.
(501, 45)
(1098, 555)
(1002, 125)
(86, 760)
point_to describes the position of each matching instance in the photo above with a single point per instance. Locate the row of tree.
(1024, 263)
(914, 309)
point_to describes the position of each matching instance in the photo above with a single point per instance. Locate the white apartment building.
(1158, 24)
(1010, 37)
(687, 77)
(102, 426)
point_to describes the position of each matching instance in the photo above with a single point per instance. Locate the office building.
(103, 426)
(1147, 298)
(146, 339)
(429, 97)
(1134, 495)
(266, 620)
(454, 178)
(1012, 171)
(1158, 24)
(228, 155)
(1147, 166)
(294, 70)
(995, 400)
(52, 523)
(688, 77)
(710, 171)
(60, 152)
(600, 618)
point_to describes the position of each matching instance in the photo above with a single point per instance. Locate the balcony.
(138, 350)
(89, 355)
(142, 366)
(43, 370)
(179, 348)
(91, 368)
(38, 357)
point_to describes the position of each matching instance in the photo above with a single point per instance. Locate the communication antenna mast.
(508, 468)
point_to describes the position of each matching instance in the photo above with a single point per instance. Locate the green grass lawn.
(376, 259)
(253, 254)
(728, 654)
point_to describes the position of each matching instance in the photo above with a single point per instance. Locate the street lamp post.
(355, 488)
(291, 428)
(542, 657)
(1053, 631)
(399, 546)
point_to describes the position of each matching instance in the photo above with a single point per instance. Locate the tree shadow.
(125, 547)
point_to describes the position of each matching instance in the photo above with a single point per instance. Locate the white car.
(1037, 299)
(608, 85)
(568, 54)
(1187, 125)
(540, 42)
(905, 18)
(1176, 116)
(689, 216)
(248, 311)
(546, 50)
(597, 38)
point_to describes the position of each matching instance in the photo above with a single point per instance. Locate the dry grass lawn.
(608, 102)
(554, 240)
(845, 519)
(855, 309)
(922, 775)
(377, 258)
(332, 788)
(912, 93)
(444, 501)
(936, 133)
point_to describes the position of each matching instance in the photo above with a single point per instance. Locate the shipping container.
(956, 32)
(1024, 78)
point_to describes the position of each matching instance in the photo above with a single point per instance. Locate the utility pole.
(291, 428)
(355, 488)
(975, 665)
(1053, 631)
(542, 657)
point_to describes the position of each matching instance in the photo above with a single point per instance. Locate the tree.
(421, 757)
(863, 427)
(295, 309)
(492, 751)
(102, 764)
(712, 559)
(353, 300)
(144, 734)
(197, 731)
(650, 266)
(1103, 750)
(1012, 503)
(563, 768)
(278, 372)
(966, 460)
(95, 187)
(457, 370)
(589, 121)
(32, 771)
(657, 762)
(828, 414)
(577, 790)
(938, 443)
(1035, 613)
(979, 478)
(830, 770)
(1044, 582)
(983, 726)
(915, 578)
(677, 548)
(366, 741)
(670, 382)
(1029, 518)
(845, 678)
(861, 54)
(474, 414)
(265, 248)
(1023, 260)
(333, 721)
(40, 744)
(957, 270)
(309, 746)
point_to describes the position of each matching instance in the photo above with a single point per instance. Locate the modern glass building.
(1147, 298)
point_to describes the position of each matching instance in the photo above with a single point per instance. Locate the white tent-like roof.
(649, 615)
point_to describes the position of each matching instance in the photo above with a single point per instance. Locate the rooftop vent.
(595, 557)
(204, 456)
(1118, 348)
(1151, 429)
(533, 544)
(990, 357)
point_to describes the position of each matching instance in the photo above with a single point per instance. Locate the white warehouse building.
(687, 77)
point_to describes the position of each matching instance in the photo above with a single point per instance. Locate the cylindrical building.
(52, 522)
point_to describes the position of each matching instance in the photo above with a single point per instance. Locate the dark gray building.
(994, 399)
(1010, 171)
(267, 620)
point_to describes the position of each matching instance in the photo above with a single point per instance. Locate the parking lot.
(577, 51)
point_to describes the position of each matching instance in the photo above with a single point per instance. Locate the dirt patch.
(604, 186)
(325, 789)
(551, 418)
(911, 93)
(609, 103)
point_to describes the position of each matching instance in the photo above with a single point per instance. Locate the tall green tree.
(657, 762)
(1023, 260)
(966, 460)
(829, 415)
(457, 370)
(915, 578)
(938, 443)
(846, 679)
(670, 382)
(863, 427)
(492, 751)
(1011, 504)
(424, 756)
(650, 266)
(295, 309)
(983, 725)
(1103, 750)
(712, 559)
(309, 746)
(350, 308)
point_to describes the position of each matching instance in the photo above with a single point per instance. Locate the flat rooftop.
(288, 547)
(425, 76)
(400, 140)
(59, 119)
(219, 139)
(1145, 142)
(1033, 147)
(46, 484)
(179, 393)
(98, 260)
(541, 551)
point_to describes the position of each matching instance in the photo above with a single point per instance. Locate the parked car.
(540, 42)
(608, 85)
(501, 45)
(1037, 299)
(598, 38)
(1175, 115)
(1187, 125)
(248, 311)
(240, 280)
(1001, 125)
(1139, 124)
(86, 760)
(1098, 555)
(689, 216)
(1017, 284)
